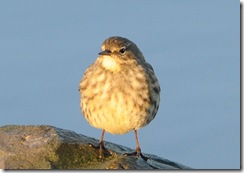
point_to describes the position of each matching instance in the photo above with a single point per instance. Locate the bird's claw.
(101, 148)
(137, 154)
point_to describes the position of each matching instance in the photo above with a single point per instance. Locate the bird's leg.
(137, 153)
(138, 148)
(101, 146)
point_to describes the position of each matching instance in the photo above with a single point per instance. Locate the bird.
(119, 92)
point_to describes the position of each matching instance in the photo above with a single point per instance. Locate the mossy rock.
(48, 147)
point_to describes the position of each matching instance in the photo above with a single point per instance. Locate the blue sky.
(194, 47)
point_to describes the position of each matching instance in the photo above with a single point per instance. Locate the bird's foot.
(102, 150)
(137, 153)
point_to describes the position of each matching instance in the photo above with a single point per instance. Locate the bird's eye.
(122, 50)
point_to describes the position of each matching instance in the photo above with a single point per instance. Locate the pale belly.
(117, 110)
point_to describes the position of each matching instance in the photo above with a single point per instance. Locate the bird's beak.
(105, 52)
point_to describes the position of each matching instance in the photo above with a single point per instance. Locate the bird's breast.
(116, 102)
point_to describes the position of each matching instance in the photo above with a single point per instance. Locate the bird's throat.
(110, 63)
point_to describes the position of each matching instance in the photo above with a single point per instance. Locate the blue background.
(194, 47)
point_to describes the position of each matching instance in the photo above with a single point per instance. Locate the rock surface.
(48, 147)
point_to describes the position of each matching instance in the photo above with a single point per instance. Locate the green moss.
(76, 156)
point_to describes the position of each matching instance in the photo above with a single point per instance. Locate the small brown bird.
(119, 91)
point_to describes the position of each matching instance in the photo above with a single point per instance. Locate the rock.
(48, 147)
